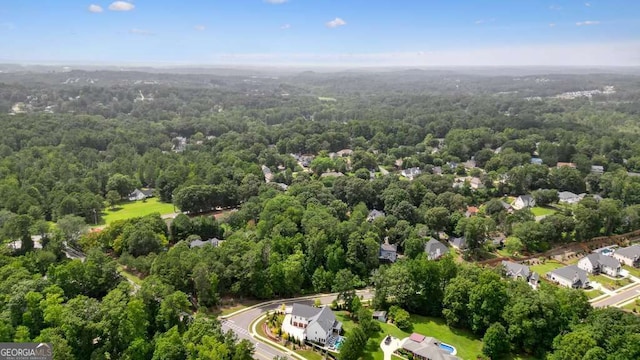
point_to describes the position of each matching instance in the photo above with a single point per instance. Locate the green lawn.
(131, 277)
(549, 265)
(135, 209)
(540, 211)
(592, 294)
(633, 271)
(610, 283)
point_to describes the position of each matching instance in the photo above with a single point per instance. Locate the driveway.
(389, 349)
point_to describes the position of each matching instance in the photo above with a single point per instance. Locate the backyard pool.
(339, 342)
(450, 349)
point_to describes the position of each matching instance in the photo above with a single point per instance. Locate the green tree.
(112, 198)
(169, 346)
(122, 184)
(495, 343)
(354, 345)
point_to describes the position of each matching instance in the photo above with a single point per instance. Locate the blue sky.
(322, 32)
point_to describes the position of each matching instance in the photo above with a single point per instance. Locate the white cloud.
(136, 31)
(552, 25)
(587, 4)
(276, 2)
(555, 7)
(285, 27)
(587, 23)
(200, 27)
(121, 6)
(95, 8)
(337, 22)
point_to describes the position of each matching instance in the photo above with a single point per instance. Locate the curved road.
(240, 322)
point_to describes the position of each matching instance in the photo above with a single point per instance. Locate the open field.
(542, 211)
(135, 209)
(549, 265)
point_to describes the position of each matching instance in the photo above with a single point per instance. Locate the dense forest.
(78, 143)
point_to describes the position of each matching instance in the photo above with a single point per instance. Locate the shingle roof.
(459, 242)
(629, 252)
(435, 248)
(514, 269)
(598, 259)
(427, 347)
(325, 318)
(304, 311)
(389, 247)
(571, 272)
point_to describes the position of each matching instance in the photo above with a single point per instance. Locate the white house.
(388, 252)
(570, 276)
(629, 256)
(313, 324)
(140, 194)
(598, 263)
(380, 316)
(567, 197)
(524, 201)
(411, 172)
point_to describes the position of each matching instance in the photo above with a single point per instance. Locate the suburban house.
(570, 276)
(498, 240)
(524, 201)
(388, 252)
(437, 170)
(520, 271)
(344, 152)
(318, 325)
(199, 243)
(268, 176)
(536, 161)
(597, 263)
(567, 197)
(428, 348)
(597, 169)
(332, 174)
(506, 206)
(380, 316)
(374, 214)
(140, 194)
(411, 173)
(469, 164)
(435, 249)
(629, 256)
(459, 243)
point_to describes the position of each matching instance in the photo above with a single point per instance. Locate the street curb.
(264, 340)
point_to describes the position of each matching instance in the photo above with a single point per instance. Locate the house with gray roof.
(629, 256)
(435, 249)
(411, 172)
(374, 214)
(520, 271)
(215, 242)
(318, 324)
(459, 243)
(524, 201)
(597, 263)
(140, 194)
(567, 197)
(597, 169)
(570, 276)
(388, 252)
(428, 348)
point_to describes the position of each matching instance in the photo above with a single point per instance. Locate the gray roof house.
(524, 201)
(435, 249)
(570, 276)
(423, 347)
(568, 197)
(520, 271)
(374, 214)
(388, 252)
(459, 243)
(629, 256)
(411, 172)
(597, 169)
(215, 242)
(319, 324)
(140, 194)
(597, 263)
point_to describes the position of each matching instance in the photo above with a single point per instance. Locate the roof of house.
(536, 160)
(569, 164)
(597, 168)
(200, 243)
(332, 174)
(388, 247)
(374, 214)
(598, 259)
(426, 347)
(630, 252)
(435, 248)
(304, 311)
(572, 273)
(459, 242)
(472, 209)
(379, 314)
(567, 195)
(515, 269)
(505, 205)
(325, 318)
(526, 198)
(147, 192)
(534, 277)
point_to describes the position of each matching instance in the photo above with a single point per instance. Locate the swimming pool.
(448, 348)
(339, 343)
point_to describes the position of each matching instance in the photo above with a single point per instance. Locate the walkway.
(389, 349)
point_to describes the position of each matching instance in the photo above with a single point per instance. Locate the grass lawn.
(633, 271)
(467, 344)
(592, 294)
(136, 209)
(541, 211)
(131, 277)
(610, 283)
(632, 306)
(549, 265)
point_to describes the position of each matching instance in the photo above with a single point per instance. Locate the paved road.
(626, 295)
(240, 323)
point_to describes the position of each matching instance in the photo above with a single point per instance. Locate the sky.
(322, 32)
